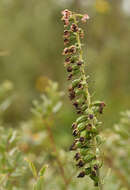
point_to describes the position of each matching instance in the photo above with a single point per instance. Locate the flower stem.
(83, 66)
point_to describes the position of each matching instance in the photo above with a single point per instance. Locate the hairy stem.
(83, 66)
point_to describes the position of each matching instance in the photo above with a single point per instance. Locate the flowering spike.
(86, 127)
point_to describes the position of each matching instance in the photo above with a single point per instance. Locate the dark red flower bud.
(95, 167)
(80, 164)
(91, 116)
(74, 125)
(73, 146)
(79, 112)
(70, 77)
(79, 63)
(70, 88)
(69, 69)
(77, 156)
(66, 51)
(79, 85)
(82, 174)
(66, 22)
(101, 107)
(66, 13)
(66, 41)
(85, 18)
(72, 49)
(75, 104)
(74, 28)
(75, 133)
(81, 139)
(89, 127)
(66, 33)
(72, 95)
(67, 59)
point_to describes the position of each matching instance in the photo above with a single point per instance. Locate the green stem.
(83, 66)
(100, 182)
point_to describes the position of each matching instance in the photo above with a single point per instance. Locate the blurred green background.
(31, 44)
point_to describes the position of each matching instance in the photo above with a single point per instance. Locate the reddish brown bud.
(75, 104)
(74, 125)
(79, 112)
(72, 49)
(67, 59)
(77, 156)
(66, 14)
(74, 28)
(95, 167)
(101, 107)
(66, 33)
(69, 69)
(70, 77)
(79, 63)
(75, 133)
(81, 139)
(85, 18)
(66, 41)
(89, 127)
(66, 22)
(80, 164)
(72, 95)
(91, 116)
(66, 51)
(72, 147)
(82, 174)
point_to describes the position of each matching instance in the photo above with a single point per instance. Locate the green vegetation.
(35, 127)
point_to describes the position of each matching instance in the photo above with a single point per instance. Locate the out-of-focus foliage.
(30, 47)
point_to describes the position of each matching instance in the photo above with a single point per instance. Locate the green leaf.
(42, 170)
(32, 167)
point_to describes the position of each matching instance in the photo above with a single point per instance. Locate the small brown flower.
(65, 51)
(82, 174)
(69, 69)
(95, 167)
(81, 139)
(66, 22)
(66, 41)
(80, 164)
(91, 116)
(66, 13)
(101, 107)
(74, 28)
(67, 59)
(75, 133)
(77, 156)
(72, 95)
(74, 125)
(85, 18)
(72, 49)
(70, 76)
(66, 33)
(89, 127)
(75, 104)
(79, 63)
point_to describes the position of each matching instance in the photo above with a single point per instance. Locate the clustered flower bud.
(86, 128)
